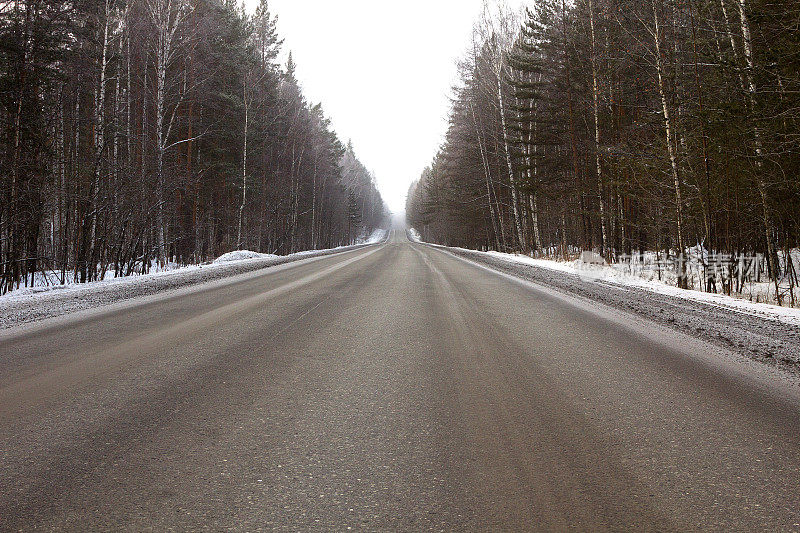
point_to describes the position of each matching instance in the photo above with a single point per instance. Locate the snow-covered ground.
(614, 276)
(48, 300)
(757, 331)
(752, 300)
(379, 235)
(241, 255)
(51, 280)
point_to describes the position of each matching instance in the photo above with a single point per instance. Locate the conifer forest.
(663, 126)
(137, 133)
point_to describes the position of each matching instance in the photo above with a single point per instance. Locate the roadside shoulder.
(30, 307)
(764, 339)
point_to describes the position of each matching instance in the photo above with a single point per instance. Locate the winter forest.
(137, 133)
(666, 127)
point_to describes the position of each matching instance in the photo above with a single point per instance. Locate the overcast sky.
(383, 71)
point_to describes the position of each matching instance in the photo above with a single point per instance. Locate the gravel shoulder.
(760, 339)
(29, 306)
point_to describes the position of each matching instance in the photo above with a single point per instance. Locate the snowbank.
(27, 305)
(378, 236)
(241, 255)
(597, 271)
(610, 275)
(760, 332)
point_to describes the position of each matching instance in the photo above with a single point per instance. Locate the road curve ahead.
(393, 387)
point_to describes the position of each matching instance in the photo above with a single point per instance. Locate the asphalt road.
(393, 387)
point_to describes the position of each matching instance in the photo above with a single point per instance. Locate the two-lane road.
(393, 387)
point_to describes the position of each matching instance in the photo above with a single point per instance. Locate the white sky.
(383, 71)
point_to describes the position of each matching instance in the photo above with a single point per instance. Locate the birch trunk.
(167, 17)
(760, 181)
(704, 135)
(533, 178)
(244, 167)
(161, 74)
(100, 131)
(734, 47)
(682, 282)
(572, 140)
(487, 176)
(314, 205)
(160, 81)
(596, 113)
(143, 173)
(89, 223)
(514, 198)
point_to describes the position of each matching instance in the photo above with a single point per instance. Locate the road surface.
(393, 387)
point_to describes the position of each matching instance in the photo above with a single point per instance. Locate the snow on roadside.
(28, 305)
(612, 276)
(413, 235)
(379, 235)
(241, 255)
(75, 289)
(49, 285)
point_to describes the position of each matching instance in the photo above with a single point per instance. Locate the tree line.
(142, 132)
(625, 126)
